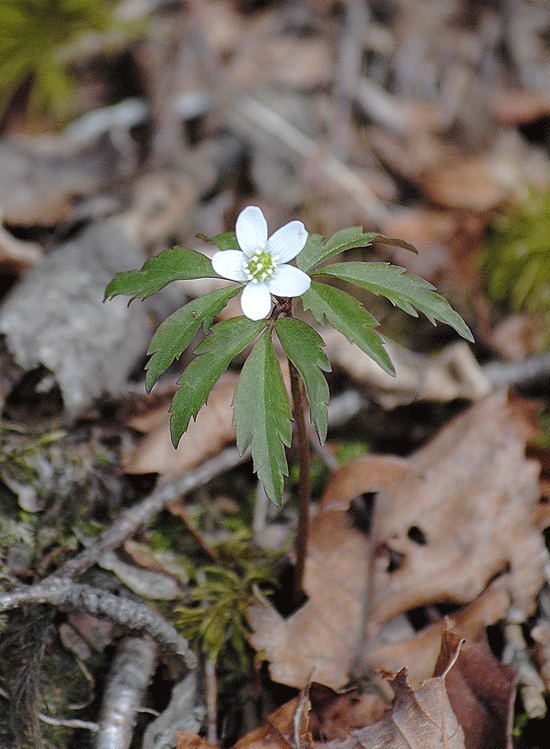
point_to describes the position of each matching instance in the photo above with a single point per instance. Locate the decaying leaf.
(418, 651)
(452, 374)
(319, 640)
(459, 512)
(320, 717)
(465, 513)
(55, 315)
(481, 691)
(421, 719)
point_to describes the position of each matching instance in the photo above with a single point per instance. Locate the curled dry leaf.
(459, 512)
(454, 373)
(481, 691)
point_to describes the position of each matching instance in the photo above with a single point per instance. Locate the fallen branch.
(66, 594)
(130, 674)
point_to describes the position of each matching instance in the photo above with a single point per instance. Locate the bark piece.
(55, 316)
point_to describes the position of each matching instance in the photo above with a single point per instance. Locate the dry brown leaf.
(320, 717)
(204, 437)
(318, 641)
(419, 653)
(465, 513)
(421, 719)
(481, 691)
(469, 184)
(481, 183)
(190, 740)
(460, 511)
(454, 373)
(278, 730)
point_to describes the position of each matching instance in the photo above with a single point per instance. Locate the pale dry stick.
(530, 370)
(87, 725)
(241, 107)
(141, 514)
(130, 674)
(211, 689)
(348, 180)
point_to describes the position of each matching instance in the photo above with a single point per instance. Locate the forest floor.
(145, 589)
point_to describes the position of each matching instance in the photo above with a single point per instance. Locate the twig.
(515, 653)
(131, 671)
(66, 594)
(527, 371)
(178, 508)
(350, 50)
(183, 713)
(143, 513)
(68, 722)
(211, 701)
(304, 499)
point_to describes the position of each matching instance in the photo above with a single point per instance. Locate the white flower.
(261, 262)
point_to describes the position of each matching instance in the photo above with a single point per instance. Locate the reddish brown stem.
(304, 496)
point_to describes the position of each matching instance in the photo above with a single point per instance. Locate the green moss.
(35, 48)
(216, 622)
(516, 260)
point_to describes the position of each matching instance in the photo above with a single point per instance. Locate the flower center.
(261, 266)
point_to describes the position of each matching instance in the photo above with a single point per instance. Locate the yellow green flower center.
(261, 266)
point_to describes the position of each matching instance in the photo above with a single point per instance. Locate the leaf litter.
(316, 108)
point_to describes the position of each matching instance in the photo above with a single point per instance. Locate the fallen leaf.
(205, 436)
(190, 740)
(419, 653)
(318, 641)
(481, 691)
(465, 513)
(454, 373)
(421, 719)
(459, 512)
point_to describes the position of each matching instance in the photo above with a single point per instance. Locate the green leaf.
(316, 252)
(303, 345)
(402, 289)
(214, 354)
(262, 415)
(226, 241)
(178, 264)
(348, 316)
(176, 333)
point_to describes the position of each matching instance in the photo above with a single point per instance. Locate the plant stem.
(304, 496)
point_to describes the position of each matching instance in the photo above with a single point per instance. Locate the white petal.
(256, 301)
(289, 281)
(288, 241)
(251, 230)
(229, 264)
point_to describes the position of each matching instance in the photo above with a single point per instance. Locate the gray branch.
(65, 594)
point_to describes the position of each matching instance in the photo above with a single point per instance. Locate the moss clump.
(516, 260)
(35, 48)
